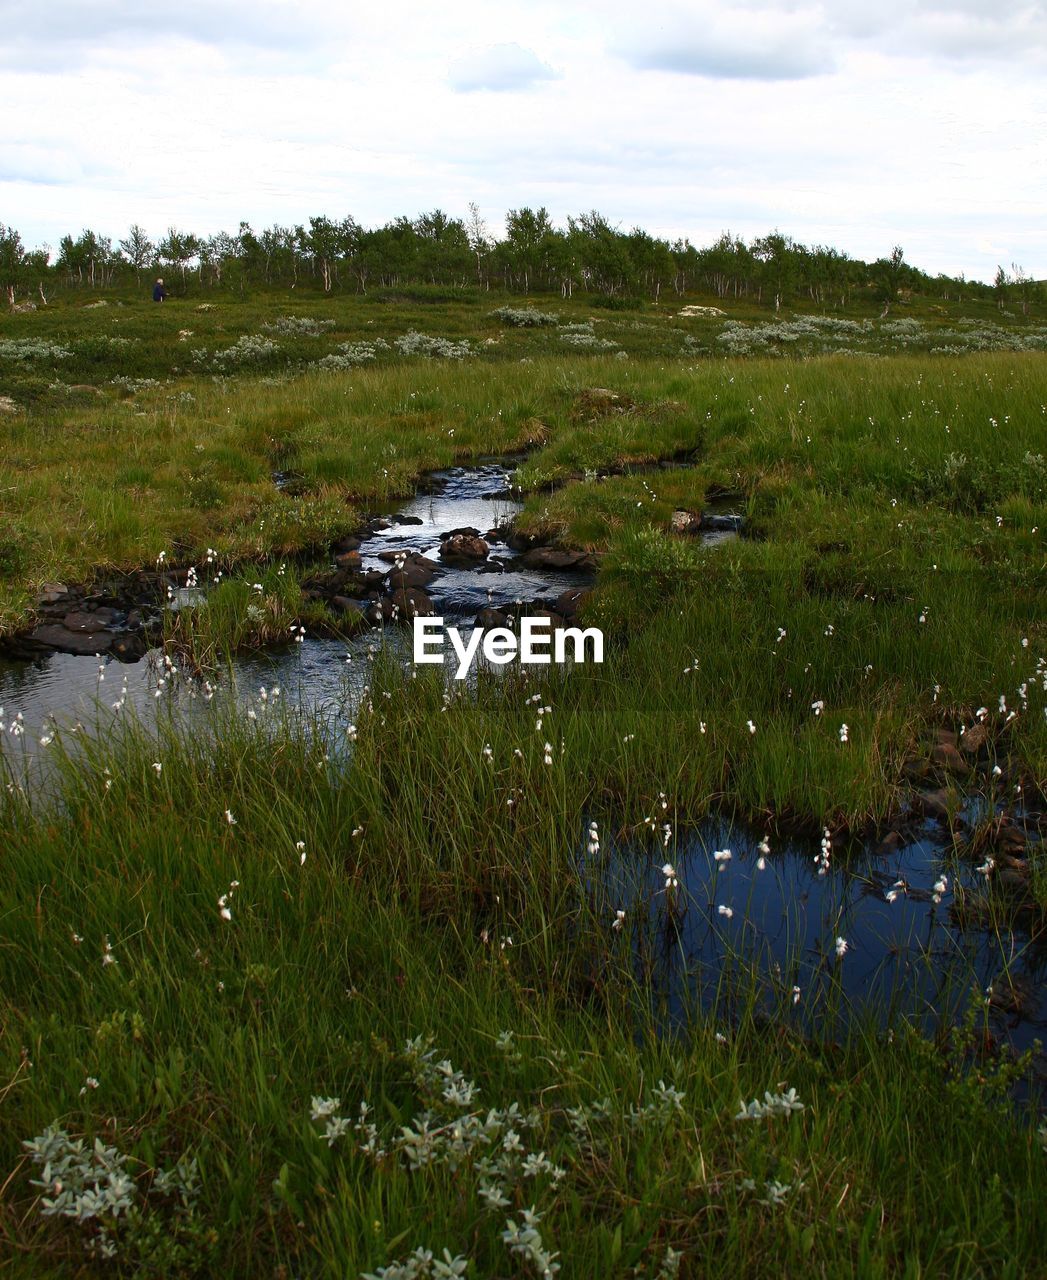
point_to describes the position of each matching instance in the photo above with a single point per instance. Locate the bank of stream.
(902, 927)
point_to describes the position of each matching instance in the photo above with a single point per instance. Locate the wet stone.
(555, 558)
(569, 602)
(937, 804)
(129, 647)
(411, 574)
(947, 757)
(916, 770)
(410, 603)
(685, 521)
(464, 548)
(721, 524)
(98, 620)
(1012, 838)
(489, 618)
(84, 643)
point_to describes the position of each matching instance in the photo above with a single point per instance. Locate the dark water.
(908, 957)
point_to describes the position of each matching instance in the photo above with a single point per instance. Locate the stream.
(909, 950)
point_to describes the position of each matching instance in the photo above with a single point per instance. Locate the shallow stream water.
(907, 956)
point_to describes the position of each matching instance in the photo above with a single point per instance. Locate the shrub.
(525, 317)
(421, 344)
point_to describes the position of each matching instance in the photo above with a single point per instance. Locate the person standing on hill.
(159, 292)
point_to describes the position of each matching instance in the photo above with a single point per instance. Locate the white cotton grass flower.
(618, 923)
(300, 847)
(223, 902)
(823, 858)
(158, 767)
(940, 888)
(763, 849)
(842, 947)
(547, 758)
(721, 857)
(229, 818)
(844, 733)
(107, 953)
(593, 845)
(750, 726)
(726, 912)
(818, 707)
(796, 995)
(671, 880)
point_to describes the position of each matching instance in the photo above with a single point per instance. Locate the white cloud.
(849, 124)
(501, 68)
(740, 43)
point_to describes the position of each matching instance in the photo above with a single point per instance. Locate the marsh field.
(724, 957)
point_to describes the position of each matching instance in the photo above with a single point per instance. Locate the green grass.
(209, 1037)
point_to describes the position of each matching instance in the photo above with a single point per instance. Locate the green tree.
(13, 261)
(526, 232)
(138, 249)
(322, 242)
(178, 249)
(889, 275)
(778, 266)
(603, 253)
(479, 243)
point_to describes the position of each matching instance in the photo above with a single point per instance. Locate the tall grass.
(424, 905)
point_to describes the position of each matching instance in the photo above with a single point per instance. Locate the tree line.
(532, 256)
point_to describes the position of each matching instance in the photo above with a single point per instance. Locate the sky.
(861, 124)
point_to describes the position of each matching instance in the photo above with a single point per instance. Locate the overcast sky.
(857, 123)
